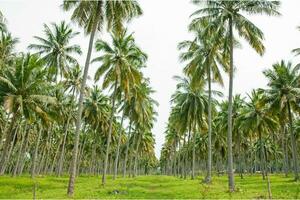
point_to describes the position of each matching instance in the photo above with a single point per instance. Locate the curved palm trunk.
(294, 144)
(209, 157)
(109, 134)
(80, 106)
(229, 133)
(118, 149)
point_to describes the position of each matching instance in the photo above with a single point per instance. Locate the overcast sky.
(157, 32)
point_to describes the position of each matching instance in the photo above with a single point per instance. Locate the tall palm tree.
(56, 48)
(120, 63)
(205, 55)
(193, 103)
(92, 16)
(228, 14)
(24, 92)
(283, 94)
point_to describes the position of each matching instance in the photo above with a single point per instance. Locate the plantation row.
(246, 133)
(52, 122)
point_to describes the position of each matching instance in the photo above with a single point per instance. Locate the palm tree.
(24, 93)
(73, 81)
(204, 55)
(2, 23)
(228, 14)
(56, 49)
(120, 63)
(257, 117)
(92, 16)
(193, 104)
(283, 95)
(7, 49)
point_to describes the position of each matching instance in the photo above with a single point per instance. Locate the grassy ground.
(157, 187)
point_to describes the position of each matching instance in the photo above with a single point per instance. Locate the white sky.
(157, 32)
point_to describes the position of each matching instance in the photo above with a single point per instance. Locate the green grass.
(150, 187)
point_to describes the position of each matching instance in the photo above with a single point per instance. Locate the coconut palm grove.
(68, 133)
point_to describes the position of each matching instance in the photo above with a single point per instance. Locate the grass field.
(148, 187)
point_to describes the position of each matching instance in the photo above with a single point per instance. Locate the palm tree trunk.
(81, 153)
(80, 105)
(284, 150)
(229, 134)
(130, 155)
(35, 155)
(193, 159)
(62, 154)
(109, 133)
(127, 149)
(267, 174)
(11, 147)
(9, 137)
(21, 150)
(294, 144)
(118, 148)
(239, 153)
(136, 155)
(209, 157)
(261, 155)
(22, 162)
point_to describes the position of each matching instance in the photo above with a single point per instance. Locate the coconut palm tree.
(56, 50)
(7, 49)
(205, 57)
(2, 23)
(229, 14)
(24, 92)
(283, 95)
(92, 16)
(257, 118)
(120, 63)
(193, 103)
